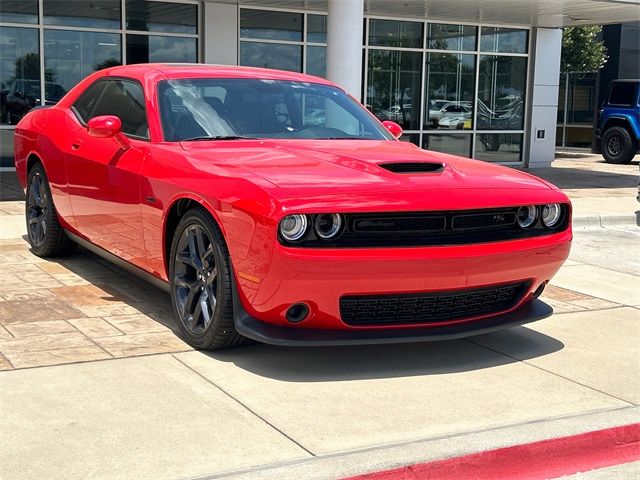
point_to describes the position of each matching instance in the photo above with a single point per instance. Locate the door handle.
(75, 145)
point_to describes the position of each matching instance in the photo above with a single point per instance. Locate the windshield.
(223, 108)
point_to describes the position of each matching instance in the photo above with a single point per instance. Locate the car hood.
(315, 168)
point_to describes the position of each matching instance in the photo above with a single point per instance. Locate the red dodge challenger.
(273, 206)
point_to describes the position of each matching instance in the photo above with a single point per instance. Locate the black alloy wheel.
(618, 146)
(201, 283)
(37, 210)
(46, 236)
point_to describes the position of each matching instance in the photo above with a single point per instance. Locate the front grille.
(430, 307)
(388, 224)
(421, 229)
(483, 220)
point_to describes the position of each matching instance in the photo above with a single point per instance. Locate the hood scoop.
(407, 168)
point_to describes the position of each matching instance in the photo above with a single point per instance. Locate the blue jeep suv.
(618, 134)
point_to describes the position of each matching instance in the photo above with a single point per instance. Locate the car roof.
(201, 70)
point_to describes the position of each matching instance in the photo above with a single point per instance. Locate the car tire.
(46, 236)
(618, 146)
(490, 142)
(200, 283)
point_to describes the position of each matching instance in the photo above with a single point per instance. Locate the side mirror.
(393, 127)
(108, 126)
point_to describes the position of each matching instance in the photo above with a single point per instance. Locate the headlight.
(328, 225)
(527, 216)
(551, 215)
(293, 227)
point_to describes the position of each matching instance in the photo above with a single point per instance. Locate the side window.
(623, 94)
(87, 101)
(125, 100)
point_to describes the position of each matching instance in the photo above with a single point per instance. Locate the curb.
(607, 220)
(552, 458)
(346, 464)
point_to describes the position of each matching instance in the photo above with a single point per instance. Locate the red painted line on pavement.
(551, 458)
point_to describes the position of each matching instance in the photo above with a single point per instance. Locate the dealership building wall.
(479, 81)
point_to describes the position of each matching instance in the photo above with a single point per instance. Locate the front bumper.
(250, 327)
(321, 278)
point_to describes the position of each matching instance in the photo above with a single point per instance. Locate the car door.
(104, 178)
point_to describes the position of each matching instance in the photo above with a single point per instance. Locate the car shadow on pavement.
(344, 363)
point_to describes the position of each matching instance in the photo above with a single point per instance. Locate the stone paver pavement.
(75, 309)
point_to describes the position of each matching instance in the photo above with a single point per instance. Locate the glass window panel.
(622, 94)
(19, 73)
(450, 91)
(561, 97)
(270, 25)
(454, 144)
(393, 33)
(559, 132)
(411, 138)
(93, 14)
(504, 40)
(271, 55)
(19, 11)
(162, 17)
(394, 86)
(499, 147)
(582, 98)
(579, 137)
(317, 28)
(6, 156)
(501, 92)
(317, 61)
(69, 56)
(153, 48)
(451, 37)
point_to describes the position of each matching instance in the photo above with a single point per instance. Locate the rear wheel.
(46, 236)
(618, 146)
(200, 280)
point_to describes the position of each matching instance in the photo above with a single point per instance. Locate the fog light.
(297, 312)
(551, 215)
(293, 227)
(527, 216)
(328, 225)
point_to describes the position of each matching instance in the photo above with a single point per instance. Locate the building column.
(543, 98)
(344, 44)
(220, 33)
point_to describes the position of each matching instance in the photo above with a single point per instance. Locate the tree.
(582, 51)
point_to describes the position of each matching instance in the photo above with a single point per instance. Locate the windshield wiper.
(219, 137)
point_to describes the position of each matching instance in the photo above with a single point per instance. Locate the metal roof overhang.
(537, 13)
